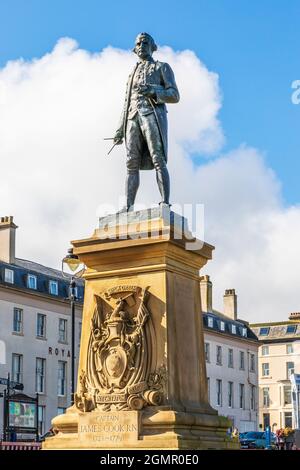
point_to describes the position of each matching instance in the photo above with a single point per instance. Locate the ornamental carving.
(121, 360)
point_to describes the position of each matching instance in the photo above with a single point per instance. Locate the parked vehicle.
(256, 440)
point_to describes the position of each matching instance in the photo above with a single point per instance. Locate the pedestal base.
(148, 429)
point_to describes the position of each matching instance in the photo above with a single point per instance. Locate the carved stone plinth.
(142, 377)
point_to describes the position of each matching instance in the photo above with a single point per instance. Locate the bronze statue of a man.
(144, 119)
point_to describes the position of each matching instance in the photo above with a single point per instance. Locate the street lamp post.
(73, 263)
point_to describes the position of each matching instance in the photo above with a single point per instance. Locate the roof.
(243, 331)
(267, 332)
(44, 274)
(39, 268)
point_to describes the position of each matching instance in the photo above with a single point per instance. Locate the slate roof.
(241, 327)
(43, 274)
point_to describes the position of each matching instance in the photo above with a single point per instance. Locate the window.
(264, 331)
(207, 355)
(233, 329)
(244, 332)
(40, 375)
(291, 329)
(61, 411)
(242, 360)
(210, 322)
(62, 330)
(289, 348)
(230, 394)
(219, 355)
(41, 419)
(265, 350)
(41, 325)
(222, 326)
(31, 281)
(288, 420)
(287, 395)
(61, 385)
(9, 276)
(53, 287)
(18, 320)
(208, 388)
(265, 369)
(290, 369)
(266, 396)
(219, 392)
(252, 362)
(252, 399)
(17, 368)
(230, 357)
(242, 396)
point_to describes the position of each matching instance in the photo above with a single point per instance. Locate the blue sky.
(253, 46)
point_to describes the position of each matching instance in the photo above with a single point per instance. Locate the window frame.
(219, 392)
(7, 279)
(263, 369)
(53, 282)
(242, 360)
(40, 378)
(17, 376)
(219, 355)
(41, 315)
(63, 379)
(31, 277)
(65, 322)
(18, 309)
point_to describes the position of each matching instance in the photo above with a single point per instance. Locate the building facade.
(35, 333)
(279, 357)
(231, 351)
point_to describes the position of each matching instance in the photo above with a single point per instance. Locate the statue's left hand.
(148, 91)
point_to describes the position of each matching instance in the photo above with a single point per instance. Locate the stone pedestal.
(142, 377)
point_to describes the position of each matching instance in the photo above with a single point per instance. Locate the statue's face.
(143, 47)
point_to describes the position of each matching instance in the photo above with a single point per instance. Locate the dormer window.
(222, 325)
(53, 287)
(9, 276)
(291, 329)
(244, 332)
(264, 331)
(233, 329)
(31, 281)
(210, 322)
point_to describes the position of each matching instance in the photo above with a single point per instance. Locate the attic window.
(291, 329)
(264, 331)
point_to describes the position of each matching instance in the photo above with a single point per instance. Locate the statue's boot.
(163, 181)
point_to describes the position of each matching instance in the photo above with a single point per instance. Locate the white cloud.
(55, 112)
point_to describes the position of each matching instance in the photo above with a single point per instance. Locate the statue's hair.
(152, 42)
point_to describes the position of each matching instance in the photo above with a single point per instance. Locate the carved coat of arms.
(121, 362)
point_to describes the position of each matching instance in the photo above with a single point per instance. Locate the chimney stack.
(294, 316)
(7, 239)
(230, 304)
(206, 293)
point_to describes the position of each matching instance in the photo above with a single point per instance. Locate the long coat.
(161, 77)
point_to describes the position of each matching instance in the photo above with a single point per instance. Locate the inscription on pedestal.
(108, 429)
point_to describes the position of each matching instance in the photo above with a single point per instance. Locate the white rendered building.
(35, 329)
(279, 358)
(231, 351)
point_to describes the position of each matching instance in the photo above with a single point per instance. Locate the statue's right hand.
(118, 138)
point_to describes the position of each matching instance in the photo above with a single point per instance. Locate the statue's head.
(144, 45)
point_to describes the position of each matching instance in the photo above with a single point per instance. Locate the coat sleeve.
(168, 93)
